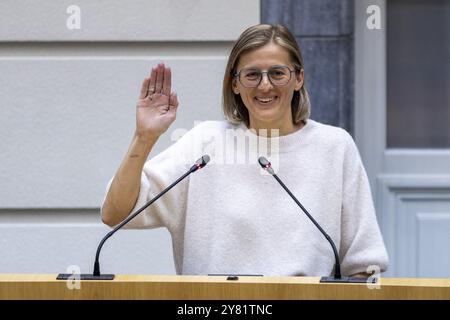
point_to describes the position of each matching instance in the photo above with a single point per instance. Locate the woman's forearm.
(124, 189)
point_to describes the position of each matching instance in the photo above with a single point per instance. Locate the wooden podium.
(38, 286)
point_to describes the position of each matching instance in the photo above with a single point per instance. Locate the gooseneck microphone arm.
(200, 163)
(266, 165)
(337, 266)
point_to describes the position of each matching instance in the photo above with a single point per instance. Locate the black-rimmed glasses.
(251, 77)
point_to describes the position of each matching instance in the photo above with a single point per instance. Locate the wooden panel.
(202, 287)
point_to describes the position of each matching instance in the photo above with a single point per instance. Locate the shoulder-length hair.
(251, 39)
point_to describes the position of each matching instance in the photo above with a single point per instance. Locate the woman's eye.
(277, 73)
(252, 75)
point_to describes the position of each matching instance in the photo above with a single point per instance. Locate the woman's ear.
(299, 80)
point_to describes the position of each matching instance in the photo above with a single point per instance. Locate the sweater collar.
(284, 143)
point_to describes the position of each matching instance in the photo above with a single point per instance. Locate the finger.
(144, 88)
(151, 86)
(167, 82)
(159, 78)
(173, 100)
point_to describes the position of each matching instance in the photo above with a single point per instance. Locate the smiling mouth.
(265, 100)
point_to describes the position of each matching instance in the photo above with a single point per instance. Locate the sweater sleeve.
(361, 242)
(158, 173)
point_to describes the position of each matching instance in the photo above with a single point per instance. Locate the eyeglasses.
(251, 77)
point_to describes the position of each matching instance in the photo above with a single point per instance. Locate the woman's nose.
(265, 82)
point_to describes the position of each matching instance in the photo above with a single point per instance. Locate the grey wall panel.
(135, 20)
(49, 241)
(67, 122)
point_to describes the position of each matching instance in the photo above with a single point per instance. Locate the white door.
(402, 128)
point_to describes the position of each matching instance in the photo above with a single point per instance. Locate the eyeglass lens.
(278, 76)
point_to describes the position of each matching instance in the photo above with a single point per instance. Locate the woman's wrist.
(142, 145)
(145, 139)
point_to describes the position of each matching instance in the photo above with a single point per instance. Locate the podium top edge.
(420, 282)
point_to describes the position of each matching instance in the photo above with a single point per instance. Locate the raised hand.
(157, 105)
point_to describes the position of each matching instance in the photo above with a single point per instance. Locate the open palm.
(157, 105)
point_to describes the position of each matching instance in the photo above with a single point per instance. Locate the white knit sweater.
(232, 218)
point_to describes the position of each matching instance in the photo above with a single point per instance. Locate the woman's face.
(268, 106)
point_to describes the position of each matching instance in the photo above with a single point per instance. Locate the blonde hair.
(251, 39)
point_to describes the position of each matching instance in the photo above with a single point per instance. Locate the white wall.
(67, 115)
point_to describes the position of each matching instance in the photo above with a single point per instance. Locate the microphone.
(200, 163)
(266, 165)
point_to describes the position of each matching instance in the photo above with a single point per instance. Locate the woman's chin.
(265, 119)
(266, 113)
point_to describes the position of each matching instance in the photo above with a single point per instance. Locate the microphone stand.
(96, 275)
(266, 165)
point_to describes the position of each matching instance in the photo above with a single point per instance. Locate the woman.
(229, 218)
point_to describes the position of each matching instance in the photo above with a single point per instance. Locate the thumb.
(173, 100)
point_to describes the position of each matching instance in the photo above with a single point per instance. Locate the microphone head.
(200, 163)
(263, 162)
(205, 159)
(266, 165)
